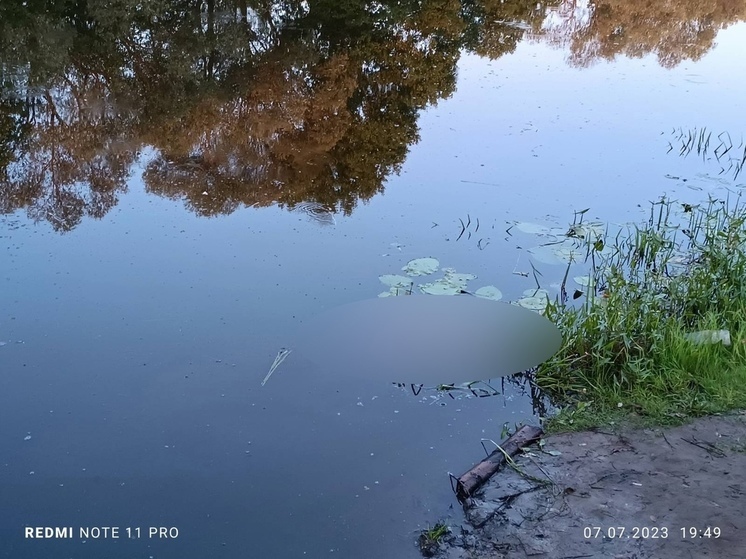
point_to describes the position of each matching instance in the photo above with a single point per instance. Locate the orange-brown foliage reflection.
(672, 30)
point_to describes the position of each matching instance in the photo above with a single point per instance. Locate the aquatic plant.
(628, 346)
(429, 539)
(700, 140)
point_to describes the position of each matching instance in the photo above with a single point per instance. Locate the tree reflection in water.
(261, 103)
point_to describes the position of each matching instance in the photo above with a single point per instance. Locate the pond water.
(182, 186)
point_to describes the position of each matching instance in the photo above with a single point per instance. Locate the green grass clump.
(437, 532)
(626, 353)
(429, 540)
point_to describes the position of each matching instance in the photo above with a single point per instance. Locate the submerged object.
(428, 340)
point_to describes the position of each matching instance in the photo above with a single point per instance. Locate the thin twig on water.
(281, 355)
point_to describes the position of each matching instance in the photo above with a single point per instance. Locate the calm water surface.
(180, 193)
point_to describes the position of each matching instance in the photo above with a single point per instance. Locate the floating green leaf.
(544, 254)
(440, 287)
(557, 253)
(533, 303)
(395, 281)
(451, 276)
(489, 292)
(594, 229)
(395, 292)
(421, 266)
(536, 292)
(568, 254)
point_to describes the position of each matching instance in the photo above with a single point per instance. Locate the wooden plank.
(472, 480)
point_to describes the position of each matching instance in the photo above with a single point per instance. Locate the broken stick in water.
(281, 355)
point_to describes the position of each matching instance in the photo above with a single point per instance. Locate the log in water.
(472, 480)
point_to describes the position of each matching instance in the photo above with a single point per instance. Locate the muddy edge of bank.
(667, 493)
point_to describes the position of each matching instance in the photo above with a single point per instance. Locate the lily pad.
(395, 281)
(452, 276)
(537, 292)
(533, 303)
(396, 292)
(440, 287)
(568, 254)
(452, 283)
(489, 292)
(593, 229)
(421, 267)
(544, 254)
(557, 253)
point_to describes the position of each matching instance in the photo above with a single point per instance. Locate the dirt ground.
(621, 496)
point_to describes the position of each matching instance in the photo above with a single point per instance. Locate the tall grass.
(626, 347)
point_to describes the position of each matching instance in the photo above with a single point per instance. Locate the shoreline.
(665, 493)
